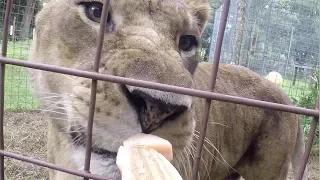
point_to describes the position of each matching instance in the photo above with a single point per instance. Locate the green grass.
(300, 88)
(18, 49)
(18, 95)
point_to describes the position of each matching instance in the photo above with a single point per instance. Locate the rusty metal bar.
(215, 67)
(94, 86)
(311, 135)
(163, 87)
(51, 166)
(2, 80)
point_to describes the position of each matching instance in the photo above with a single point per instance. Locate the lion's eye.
(94, 12)
(187, 42)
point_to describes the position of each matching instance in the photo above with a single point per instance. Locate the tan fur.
(258, 143)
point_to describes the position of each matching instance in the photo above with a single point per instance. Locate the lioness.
(154, 40)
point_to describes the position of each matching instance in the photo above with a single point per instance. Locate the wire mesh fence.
(279, 40)
(18, 93)
(287, 43)
(280, 36)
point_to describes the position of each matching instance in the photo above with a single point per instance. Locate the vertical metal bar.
(6, 28)
(94, 86)
(306, 154)
(2, 76)
(215, 67)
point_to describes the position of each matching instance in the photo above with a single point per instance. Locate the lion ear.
(201, 10)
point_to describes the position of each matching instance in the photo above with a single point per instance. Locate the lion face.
(153, 40)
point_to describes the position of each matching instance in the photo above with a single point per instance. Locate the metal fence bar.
(162, 87)
(311, 135)
(94, 87)
(2, 80)
(115, 79)
(51, 166)
(215, 67)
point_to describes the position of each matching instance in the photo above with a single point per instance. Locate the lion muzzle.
(155, 107)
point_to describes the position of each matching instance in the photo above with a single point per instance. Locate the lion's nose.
(154, 109)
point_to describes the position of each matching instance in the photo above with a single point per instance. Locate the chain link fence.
(18, 93)
(274, 35)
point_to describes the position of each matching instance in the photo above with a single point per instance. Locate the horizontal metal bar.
(51, 166)
(163, 87)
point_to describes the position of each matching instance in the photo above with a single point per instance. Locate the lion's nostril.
(154, 112)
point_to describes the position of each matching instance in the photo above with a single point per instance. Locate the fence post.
(94, 86)
(2, 75)
(214, 72)
(311, 136)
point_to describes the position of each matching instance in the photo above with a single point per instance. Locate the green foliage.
(309, 101)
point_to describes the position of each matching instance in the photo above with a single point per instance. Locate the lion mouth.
(80, 139)
(104, 153)
(152, 113)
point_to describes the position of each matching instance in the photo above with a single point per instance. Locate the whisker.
(183, 164)
(216, 149)
(50, 93)
(68, 77)
(180, 167)
(188, 155)
(57, 102)
(60, 108)
(204, 163)
(74, 130)
(215, 123)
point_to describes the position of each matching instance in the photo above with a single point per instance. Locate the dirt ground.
(25, 133)
(313, 166)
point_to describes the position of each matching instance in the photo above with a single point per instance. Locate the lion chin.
(157, 41)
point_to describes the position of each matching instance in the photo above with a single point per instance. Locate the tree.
(206, 37)
(23, 11)
(27, 18)
(241, 14)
